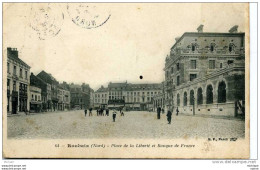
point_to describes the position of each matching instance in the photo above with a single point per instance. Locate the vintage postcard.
(126, 80)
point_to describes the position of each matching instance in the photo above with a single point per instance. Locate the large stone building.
(80, 96)
(205, 73)
(18, 81)
(134, 96)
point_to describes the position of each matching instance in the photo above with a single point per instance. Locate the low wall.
(218, 109)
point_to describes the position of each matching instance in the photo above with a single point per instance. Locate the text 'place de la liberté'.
(204, 76)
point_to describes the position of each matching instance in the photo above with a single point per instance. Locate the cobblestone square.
(135, 124)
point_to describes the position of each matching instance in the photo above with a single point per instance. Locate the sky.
(134, 41)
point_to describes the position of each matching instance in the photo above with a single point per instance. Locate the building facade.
(49, 79)
(18, 81)
(101, 97)
(45, 91)
(80, 96)
(205, 73)
(35, 99)
(134, 96)
(64, 98)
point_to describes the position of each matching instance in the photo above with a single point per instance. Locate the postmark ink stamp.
(46, 20)
(87, 15)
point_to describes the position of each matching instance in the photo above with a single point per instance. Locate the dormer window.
(231, 47)
(193, 47)
(212, 47)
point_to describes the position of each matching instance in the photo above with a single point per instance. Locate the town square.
(134, 124)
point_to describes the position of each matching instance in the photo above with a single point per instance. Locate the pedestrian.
(158, 113)
(97, 112)
(114, 115)
(122, 113)
(169, 115)
(177, 111)
(102, 112)
(107, 112)
(86, 111)
(90, 112)
(162, 111)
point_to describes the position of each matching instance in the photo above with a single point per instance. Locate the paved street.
(73, 124)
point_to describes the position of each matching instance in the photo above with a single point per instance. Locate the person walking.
(169, 115)
(107, 112)
(114, 115)
(97, 112)
(177, 111)
(122, 113)
(86, 112)
(158, 113)
(90, 112)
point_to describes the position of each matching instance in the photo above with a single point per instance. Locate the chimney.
(200, 28)
(12, 52)
(177, 38)
(233, 29)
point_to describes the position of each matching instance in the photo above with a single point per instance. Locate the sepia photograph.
(126, 80)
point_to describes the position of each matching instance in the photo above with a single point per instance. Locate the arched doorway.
(191, 97)
(185, 99)
(209, 94)
(199, 96)
(222, 92)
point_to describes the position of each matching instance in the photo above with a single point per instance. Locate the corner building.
(205, 73)
(18, 82)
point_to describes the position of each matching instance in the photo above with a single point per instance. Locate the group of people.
(90, 112)
(100, 112)
(169, 113)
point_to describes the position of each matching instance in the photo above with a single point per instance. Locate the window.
(185, 99)
(193, 64)
(230, 62)
(148, 93)
(21, 72)
(178, 80)
(14, 70)
(211, 47)
(155, 92)
(8, 68)
(193, 76)
(222, 92)
(8, 84)
(178, 100)
(192, 97)
(193, 47)
(32, 96)
(178, 66)
(171, 70)
(211, 64)
(231, 47)
(220, 65)
(35, 97)
(151, 93)
(199, 96)
(14, 86)
(209, 94)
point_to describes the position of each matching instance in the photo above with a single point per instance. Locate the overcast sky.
(134, 41)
